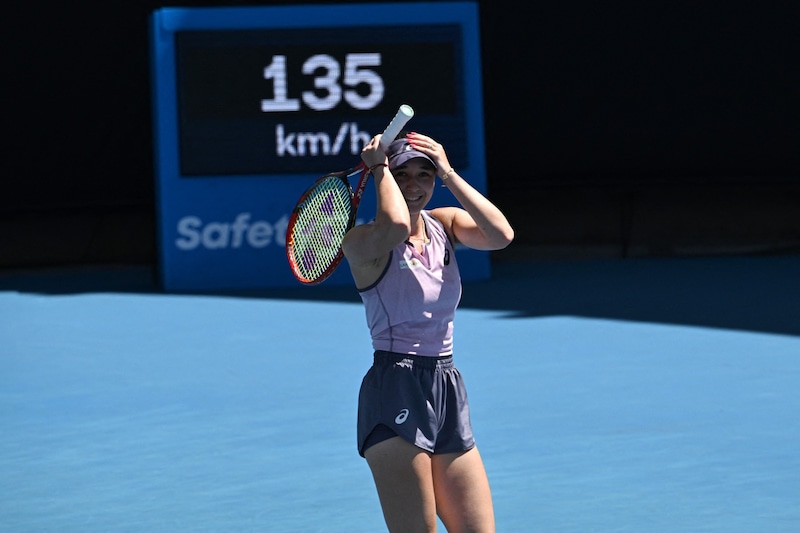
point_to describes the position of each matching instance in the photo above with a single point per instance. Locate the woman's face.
(416, 179)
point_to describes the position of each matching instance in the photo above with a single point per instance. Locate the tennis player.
(413, 415)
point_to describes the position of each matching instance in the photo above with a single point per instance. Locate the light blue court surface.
(607, 396)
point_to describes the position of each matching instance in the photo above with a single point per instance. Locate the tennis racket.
(326, 211)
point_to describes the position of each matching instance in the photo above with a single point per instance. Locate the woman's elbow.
(509, 235)
(504, 238)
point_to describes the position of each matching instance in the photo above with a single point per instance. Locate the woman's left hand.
(432, 149)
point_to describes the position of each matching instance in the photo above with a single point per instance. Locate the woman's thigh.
(463, 496)
(404, 479)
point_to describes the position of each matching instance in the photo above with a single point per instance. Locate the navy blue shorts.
(421, 399)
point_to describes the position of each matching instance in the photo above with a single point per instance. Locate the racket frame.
(404, 114)
(355, 199)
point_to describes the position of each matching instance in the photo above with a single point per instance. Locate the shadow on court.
(743, 293)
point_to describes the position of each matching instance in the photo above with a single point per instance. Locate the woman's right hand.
(373, 153)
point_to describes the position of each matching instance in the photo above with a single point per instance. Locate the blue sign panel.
(252, 104)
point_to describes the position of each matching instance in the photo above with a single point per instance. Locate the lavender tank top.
(410, 308)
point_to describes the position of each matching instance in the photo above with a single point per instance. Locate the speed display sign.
(297, 101)
(251, 104)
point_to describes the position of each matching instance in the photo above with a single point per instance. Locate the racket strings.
(322, 220)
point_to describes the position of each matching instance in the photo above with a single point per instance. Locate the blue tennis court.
(638, 395)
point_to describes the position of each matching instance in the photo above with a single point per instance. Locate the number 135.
(328, 81)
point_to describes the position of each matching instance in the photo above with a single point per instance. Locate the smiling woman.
(414, 427)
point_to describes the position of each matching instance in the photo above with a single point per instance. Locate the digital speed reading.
(292, 101)
(330, 84)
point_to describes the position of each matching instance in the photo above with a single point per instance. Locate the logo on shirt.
(411, 263)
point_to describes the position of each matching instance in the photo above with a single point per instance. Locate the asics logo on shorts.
(399, 419)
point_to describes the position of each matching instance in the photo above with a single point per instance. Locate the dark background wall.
(613, 128)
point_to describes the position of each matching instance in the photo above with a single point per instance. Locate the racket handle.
(403, 115)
